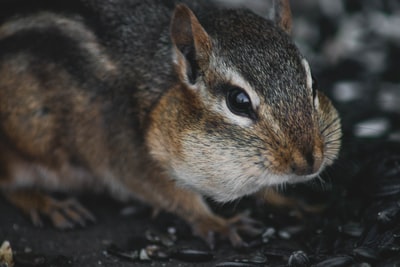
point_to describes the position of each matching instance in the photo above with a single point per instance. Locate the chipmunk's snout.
(307, 163)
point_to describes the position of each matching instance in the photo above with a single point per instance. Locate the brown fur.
(89, 109)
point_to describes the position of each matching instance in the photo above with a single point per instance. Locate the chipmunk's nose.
(306, 163)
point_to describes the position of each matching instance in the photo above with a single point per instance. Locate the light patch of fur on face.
(224, 173)
(309, 81)
(316, 102)
(222, 181)
(231, 76)
(72, 28)
(308, 73)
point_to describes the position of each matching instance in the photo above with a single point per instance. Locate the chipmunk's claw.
(67, 214)
(232, 229)
(63, 214)
(210, 240)
(242, 224)
(35, 218)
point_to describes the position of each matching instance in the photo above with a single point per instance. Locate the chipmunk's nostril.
(301, 169)
(309, 157)
(305, 164)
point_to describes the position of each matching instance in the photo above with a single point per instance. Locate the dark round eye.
(239, 102)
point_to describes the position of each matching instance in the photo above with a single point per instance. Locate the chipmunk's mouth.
(301, 179)
(291, 176)
(304, 178)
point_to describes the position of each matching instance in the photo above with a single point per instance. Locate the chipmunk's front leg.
(165, 194)
(207, 224)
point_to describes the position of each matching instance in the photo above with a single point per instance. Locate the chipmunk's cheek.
(221, 185)
(330, 127)
(219, 174)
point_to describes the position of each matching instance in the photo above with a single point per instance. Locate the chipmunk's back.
(96, 61)
(68, 90)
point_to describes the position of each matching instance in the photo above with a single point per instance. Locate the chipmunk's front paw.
(232, 229)
(63, 214)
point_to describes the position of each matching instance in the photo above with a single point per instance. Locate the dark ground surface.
(354, 50)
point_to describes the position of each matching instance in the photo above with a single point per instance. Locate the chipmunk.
(162, 101)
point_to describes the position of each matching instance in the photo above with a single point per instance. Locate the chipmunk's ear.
(192, 45)
(283, 15)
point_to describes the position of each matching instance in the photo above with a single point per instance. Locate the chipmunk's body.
(97, 95)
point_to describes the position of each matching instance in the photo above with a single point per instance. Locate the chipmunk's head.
(246, 113)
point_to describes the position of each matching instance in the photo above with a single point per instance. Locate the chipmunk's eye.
(239, 102)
